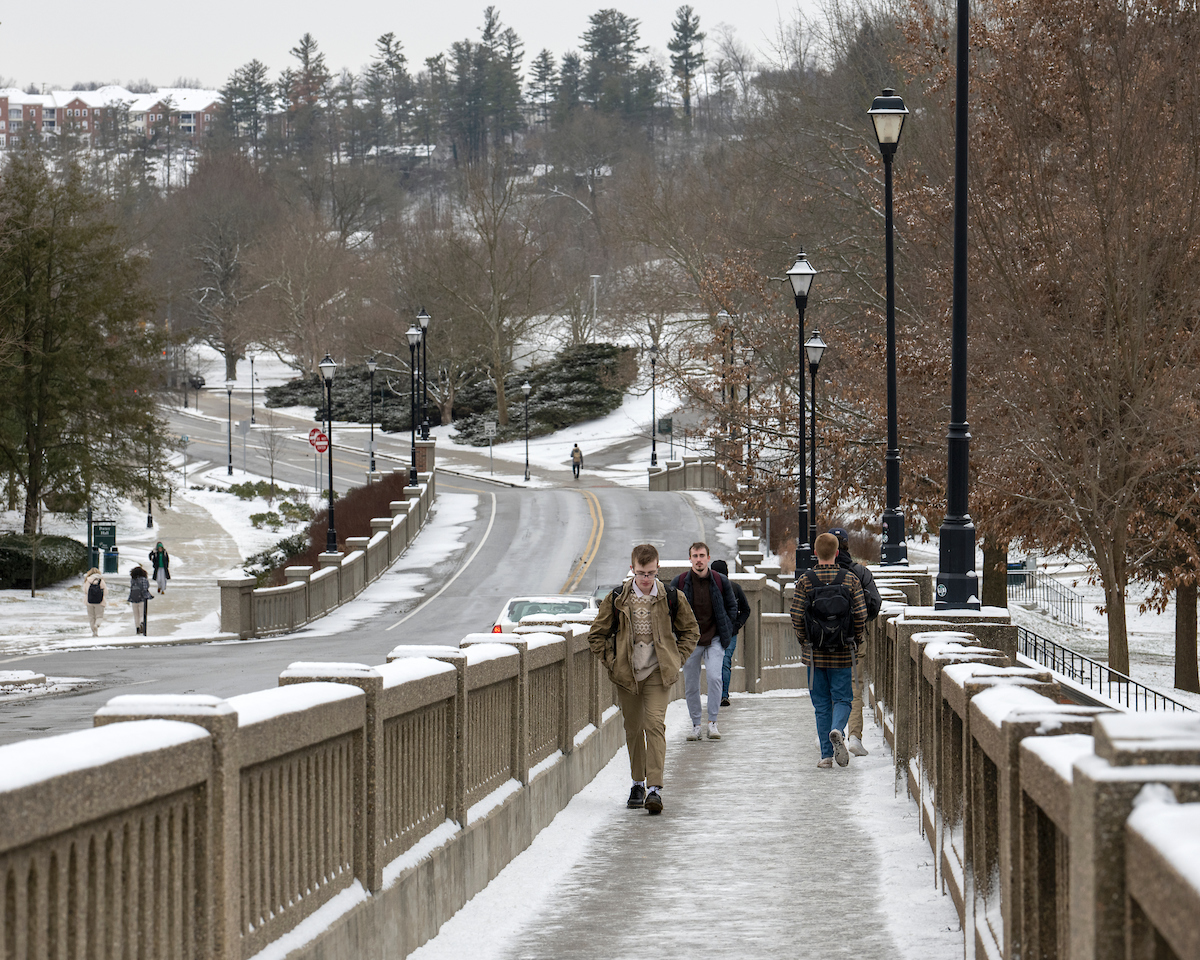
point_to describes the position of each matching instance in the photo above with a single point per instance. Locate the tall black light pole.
(653, 405)
(814, 347)
(957, 581)
(423, 319)
(413, 334)
(327, 367)
(371, 365)
(252, 420)
(526, 389)
(801, 276)
(887, 113)
(229, 416)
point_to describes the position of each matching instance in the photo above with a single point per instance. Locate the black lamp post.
(413, 334)
(229, 416)
(801, 276)
(814, 347)
(371, 365)
(423, 319)
(526, 389)
(887, 114)
(327, 367)
(957, 582)
(653, 405)
(252, 420)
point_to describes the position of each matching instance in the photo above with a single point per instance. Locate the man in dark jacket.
(743, 614)
(874, 602)
(711, 599)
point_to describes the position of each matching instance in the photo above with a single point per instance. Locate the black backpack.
(95, 592)
(829, 616)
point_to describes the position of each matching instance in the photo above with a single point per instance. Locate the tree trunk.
(1187, 669)
(1118, 637)
(995, 572)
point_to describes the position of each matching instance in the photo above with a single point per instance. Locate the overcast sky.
(73, 41)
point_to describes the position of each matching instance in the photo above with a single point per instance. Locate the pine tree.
(305, 94)
(687, 54)
(543, 85)
(389, 88)
(569, 94)
(611, 45)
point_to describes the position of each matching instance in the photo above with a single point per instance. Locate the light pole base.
(149, 520)
(957, 582)
(895, 548)
(804, 558)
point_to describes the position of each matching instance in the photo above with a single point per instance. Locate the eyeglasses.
(646, 576)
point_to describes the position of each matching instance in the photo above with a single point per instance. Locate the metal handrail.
(1090, 673)
(1034, 586)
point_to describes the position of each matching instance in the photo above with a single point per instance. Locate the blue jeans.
(832, 692)
(727, 667)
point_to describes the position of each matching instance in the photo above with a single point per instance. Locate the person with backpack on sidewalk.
(829, 614)
(743, 614)
(643, 633)
(874, 602)
(160, 563)
(95, 596)
(714, 605)
(576, 460)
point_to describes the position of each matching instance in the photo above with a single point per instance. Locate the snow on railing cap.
(421, 650)
(275, 702)
(407, 669)
(159, 704)
(310, 668)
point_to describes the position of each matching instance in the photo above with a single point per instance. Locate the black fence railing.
(1036, 588)
(1094, 675)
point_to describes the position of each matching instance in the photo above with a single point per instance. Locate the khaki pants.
(139, 609)
(856, 721)
(645, 715)
(95, 612)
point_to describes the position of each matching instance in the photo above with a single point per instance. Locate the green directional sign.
(665, 425)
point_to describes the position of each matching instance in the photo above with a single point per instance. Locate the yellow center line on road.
(593, 544)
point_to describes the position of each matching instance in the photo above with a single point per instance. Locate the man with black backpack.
(829, 614)
(874, 602)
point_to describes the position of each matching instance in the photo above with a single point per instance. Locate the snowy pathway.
(757, 854)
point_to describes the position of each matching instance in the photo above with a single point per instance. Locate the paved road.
(535, 540)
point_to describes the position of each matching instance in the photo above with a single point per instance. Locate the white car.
(519, 607)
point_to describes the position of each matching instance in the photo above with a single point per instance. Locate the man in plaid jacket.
(830, 671)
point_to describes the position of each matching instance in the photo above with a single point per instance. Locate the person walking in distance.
(829, 615)
(874, 602)
(160, 563)
(743, 614)
(139, 596)
(576, 460)
(715, 607)
(643, 633)
(95, 595)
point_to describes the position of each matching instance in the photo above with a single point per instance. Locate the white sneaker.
(825, 763)
(856, 747)
(840, 755)
(713, 732)
(696, 734)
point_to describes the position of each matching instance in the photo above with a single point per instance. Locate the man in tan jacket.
(643, 634)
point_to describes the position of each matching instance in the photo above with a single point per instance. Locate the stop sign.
(321, 443)
(313, 434)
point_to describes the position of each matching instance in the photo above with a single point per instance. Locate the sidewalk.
(757, 854)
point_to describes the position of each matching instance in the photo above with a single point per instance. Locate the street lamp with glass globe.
(371, 365)
(229, 385)
(814, 347)
(526, 389)
(423, 319)
(801, 276)
(413, 335)
(887, 114)
(327, 367)
(653, 410)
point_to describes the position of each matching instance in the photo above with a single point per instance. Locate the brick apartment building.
(83, 113)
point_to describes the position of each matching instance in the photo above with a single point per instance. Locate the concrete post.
(237, 606)
(520, 727)
(335, 560)
(368, 801)
(752, 585)
(224, 826)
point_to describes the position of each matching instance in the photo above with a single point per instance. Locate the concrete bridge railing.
(688, 473)
(250, 611)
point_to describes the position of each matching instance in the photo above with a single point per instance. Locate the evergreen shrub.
(57, 559)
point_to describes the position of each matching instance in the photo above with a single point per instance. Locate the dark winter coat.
(164, 558)
(724, 601)
(866, 580)
(139, 589)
